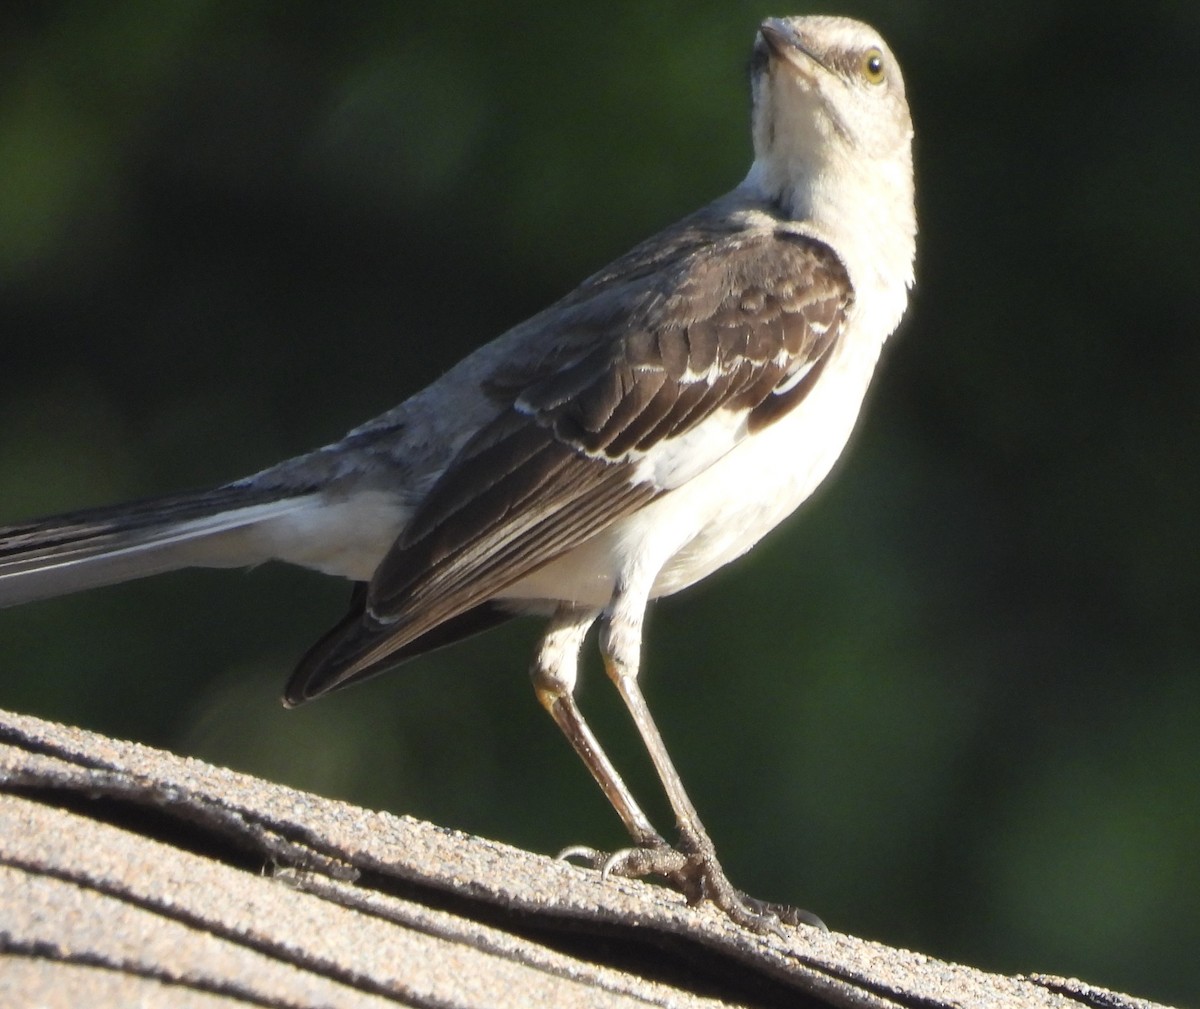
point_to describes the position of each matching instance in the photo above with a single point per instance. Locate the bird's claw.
(693, 869)
(591, 857)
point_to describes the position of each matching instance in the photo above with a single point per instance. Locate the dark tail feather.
(101, 546)
(330, 663)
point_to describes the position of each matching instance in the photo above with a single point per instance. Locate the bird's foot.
(693, 869)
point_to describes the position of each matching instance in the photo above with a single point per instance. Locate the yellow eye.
(871, 66)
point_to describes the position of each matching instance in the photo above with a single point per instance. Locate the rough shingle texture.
(129, 876)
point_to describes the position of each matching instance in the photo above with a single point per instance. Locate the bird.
(638, 434)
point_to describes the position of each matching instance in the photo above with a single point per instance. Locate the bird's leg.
(554, 673)
(698, 874)
(693, 867)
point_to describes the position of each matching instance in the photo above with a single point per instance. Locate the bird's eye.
(871, 66)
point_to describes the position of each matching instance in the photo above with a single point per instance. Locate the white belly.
(719, 514)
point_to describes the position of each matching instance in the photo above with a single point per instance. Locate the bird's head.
(833, 136)
(826, 81)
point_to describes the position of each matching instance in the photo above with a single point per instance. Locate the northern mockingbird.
(635, 436)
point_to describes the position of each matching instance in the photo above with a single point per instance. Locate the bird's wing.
(742, 325)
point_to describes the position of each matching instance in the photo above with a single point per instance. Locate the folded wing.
(740, 325)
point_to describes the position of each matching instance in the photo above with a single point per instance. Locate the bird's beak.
(785, 44)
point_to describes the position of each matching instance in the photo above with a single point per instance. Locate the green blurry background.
(954, 707)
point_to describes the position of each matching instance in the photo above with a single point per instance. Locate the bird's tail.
(101, 546)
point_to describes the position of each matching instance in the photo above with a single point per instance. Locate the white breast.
(720, 513)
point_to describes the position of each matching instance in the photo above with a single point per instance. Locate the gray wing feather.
(725, 324)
